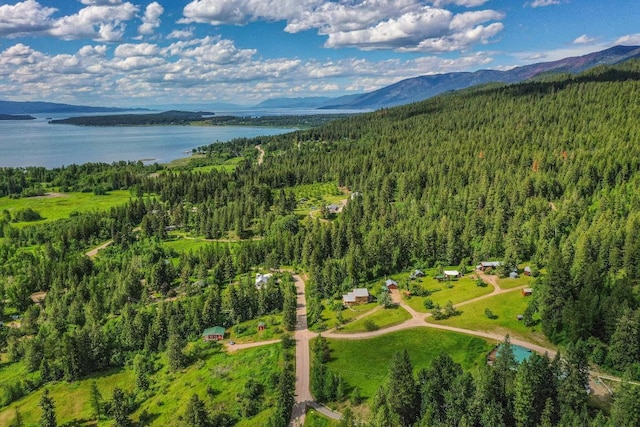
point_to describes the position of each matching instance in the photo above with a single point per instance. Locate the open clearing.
(381, 318)
(506, 307)
(55, 208)
(365, 363)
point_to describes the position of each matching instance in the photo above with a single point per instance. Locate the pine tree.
(402, 393)
(120, 408)
(48, 417)
(196, 414)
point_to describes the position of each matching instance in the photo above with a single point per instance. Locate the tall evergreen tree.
(402, 393)
(48, 416)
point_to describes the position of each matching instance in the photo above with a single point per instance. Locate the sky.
(145, 53)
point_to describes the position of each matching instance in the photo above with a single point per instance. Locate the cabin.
(391, 284)
(262, 279)
(356, 297)
(452, 274)
(488, 265)
(527, 271)
(213, 334)
(416, 274)
(514, 275)
(261, 326)
(527, 292)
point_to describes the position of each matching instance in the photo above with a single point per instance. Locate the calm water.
(37, 143)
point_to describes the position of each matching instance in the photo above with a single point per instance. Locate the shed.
(415, 274)
(333, 208)
(527, 271)
(488, 265)
(451, 274)
(261, 326)
(262, 280)
(213, 334)
(527, 292)
(514, 275)
(391, 284)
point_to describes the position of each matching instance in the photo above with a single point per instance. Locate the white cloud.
(151, 18)
(465, 3)
(24, 18)
(629, 40)
(187, 33)
(100, 50)
(583, 39)
(98, 22)
(543, 3)
(100, 2)
(142, 49)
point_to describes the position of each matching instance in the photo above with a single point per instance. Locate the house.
(514, 274)
(355, 194)
(213, 334)
(261, 326)
(333, 209)
(391, 284)
(452, 274)
(488, 265)
(526, 292)
(416, 274)
(527, 271)
(356, 297)
(262, 279)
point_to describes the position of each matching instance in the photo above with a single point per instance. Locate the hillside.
(26, 107)
(543, 173)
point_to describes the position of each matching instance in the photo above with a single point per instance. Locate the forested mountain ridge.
(546, 172)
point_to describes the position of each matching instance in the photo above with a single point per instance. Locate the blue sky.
(145, 53)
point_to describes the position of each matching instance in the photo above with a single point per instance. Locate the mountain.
(16, 107)
(423, 87)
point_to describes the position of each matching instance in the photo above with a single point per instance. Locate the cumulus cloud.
(543, 3)
(583, 39)
(141, 49)
(186, 33)
(151, 18)
(629, 40)
(364, 24)
(98, 22)
(24, 18)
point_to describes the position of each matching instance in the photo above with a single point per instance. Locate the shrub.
(370, 325)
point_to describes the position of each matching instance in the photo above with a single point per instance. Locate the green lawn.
(506, 306)
(329, 316)
(228, 166)
(455, 291)
(61, 206)
(382, 319)
(365, 363)
(186, 245)
(509, 283)
(311, 197)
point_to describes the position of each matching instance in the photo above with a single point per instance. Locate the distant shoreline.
(16, 117)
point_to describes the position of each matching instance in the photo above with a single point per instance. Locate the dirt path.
(302, 336)
(261, 155)
(93, 252)
(236, 347)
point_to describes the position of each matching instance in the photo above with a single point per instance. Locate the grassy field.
(509, 283)
(365, 363)
(61, 205)
(71, 399)
(311, 197)
(329, 316)
(186, 245)
(442, 292)
(248, 331)
(228, 166)
(382, 319)
(506, 307)
(217, 378)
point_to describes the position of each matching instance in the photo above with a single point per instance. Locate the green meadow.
(456, 291)
(380, 319)
(365, 363)
(61, 205)
(506, 307)
(330, 316)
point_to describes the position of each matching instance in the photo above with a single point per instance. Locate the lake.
(37, 143)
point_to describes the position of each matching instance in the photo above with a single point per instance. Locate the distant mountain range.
(423, 87)
(16, 107)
